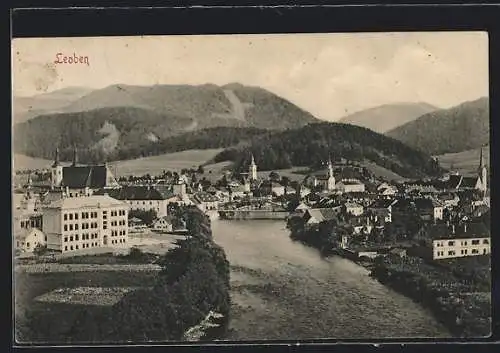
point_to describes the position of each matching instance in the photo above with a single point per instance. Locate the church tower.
(331, 178)
(482, 172)
(57, 171)
(253, 170)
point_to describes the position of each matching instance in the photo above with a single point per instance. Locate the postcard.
(231, 188)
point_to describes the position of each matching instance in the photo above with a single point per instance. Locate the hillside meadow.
(465, 162)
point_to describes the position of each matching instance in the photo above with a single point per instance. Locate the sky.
(329, 75)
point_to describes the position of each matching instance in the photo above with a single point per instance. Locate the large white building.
(466, 239)
(84, 222)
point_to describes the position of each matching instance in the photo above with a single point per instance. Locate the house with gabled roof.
(80, 180)
(145, 197)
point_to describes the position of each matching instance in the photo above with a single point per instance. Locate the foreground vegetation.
(457, 291)
(193, 282)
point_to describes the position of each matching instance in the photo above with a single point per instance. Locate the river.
(284, 290)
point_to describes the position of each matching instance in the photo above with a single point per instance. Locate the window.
(451, 253)
(76, 226)
(65, 227)
(65, 248)
(71, 216)
(475, 242)
(76, 247)
(465, 242)
(70, 227)
(28, 245)
(465, 251)
(76, 237)
(71, 247)
(485, 241)
(76, 215)
(71, 238)
(451, 243)
(65, 217)
(104, 225)
(65, 239)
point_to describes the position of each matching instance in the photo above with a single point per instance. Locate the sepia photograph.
(257, 187)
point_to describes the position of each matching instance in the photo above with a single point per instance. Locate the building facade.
(460, 247)
(85, 222)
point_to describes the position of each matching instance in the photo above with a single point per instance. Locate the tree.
(274, 176)
(200, 170)
(147, 217)
(39, 249)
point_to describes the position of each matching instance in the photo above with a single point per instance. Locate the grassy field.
(24, 162)
(152, 165)
(381, 172)
(465, 162)
(49, 322)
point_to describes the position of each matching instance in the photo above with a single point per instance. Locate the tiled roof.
(352, 204)
(79, 177)
(351, 182)
(454, 181)
(423, 203)
(468, 182)
(23, 233)
(86, 201)
(140, 192)
(323, 214)
(205, 197)
(381, 203)
(473, 230)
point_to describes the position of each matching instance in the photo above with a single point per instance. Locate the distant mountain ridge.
(388, 116)
(460, 128)
(25, 108)
(250, 106)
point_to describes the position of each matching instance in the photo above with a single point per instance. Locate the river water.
(284, 290)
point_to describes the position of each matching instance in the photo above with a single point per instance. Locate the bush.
(40, 249)
(194, 281)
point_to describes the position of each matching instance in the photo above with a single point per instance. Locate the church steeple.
(330, 167)
(75, 157)
(56, 158)
(252, 169)
(482, 172)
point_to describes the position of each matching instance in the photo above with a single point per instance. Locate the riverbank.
(454, 292)
(456, 295)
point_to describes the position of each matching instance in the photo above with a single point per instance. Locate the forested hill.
(461, 128)
(312, 145)
(122, 133)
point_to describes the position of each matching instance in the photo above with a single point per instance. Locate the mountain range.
(388, 116)
(124, 122)
(26, 108)
(460, 128)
